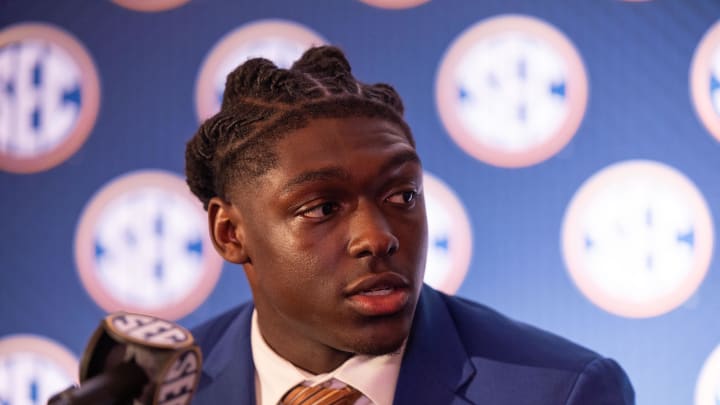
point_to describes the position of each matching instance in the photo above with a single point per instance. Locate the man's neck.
(314, 358)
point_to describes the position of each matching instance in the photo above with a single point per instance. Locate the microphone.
(136, 359)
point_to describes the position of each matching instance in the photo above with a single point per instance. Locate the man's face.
(336, 239)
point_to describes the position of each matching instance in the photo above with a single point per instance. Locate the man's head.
(312, 183)
(262, 103)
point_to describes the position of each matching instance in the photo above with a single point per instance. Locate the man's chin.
(378, 345)
(381, 335)
(379, 348)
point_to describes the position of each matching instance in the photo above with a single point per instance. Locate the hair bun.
(323, 59)
(246, 79)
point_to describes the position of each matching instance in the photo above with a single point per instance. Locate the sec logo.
(33, 369)
(637, 238)
(395, 4)
(142, 246)
(511, 91)
(705, 80)
(148, 330)
(282, 42)
(150, 5)
(449, 237)
(707, 390)
(49, 99)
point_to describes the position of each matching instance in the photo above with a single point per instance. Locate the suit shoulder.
(208, 332)
(486, 332)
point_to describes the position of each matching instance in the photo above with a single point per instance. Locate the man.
(312, 183)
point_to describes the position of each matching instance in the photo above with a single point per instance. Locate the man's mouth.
(379, 294)
(379, 291)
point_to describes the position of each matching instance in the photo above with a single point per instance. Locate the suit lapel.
(435, 365)
(228, 364)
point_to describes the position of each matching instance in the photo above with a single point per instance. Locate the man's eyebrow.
(399, 159)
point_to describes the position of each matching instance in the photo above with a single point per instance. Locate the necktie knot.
(319, 395)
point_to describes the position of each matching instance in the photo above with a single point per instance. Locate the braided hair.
(262, 103)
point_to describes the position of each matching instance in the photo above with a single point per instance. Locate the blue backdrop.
(633, 99)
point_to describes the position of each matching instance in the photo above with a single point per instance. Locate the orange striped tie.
(318, 395)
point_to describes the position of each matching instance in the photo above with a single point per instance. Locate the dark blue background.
(637, 57)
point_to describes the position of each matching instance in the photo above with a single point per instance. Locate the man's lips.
(379, 294)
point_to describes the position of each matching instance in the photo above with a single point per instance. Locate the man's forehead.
(323, 138)
(275, 149)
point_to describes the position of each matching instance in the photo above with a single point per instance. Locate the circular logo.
(449, 237)
(150, 5)
(282, 42)
(511, 91)
(707, 391)
(33, 369)
(395, 4)
(637, 238)
(705, 80)
(49, 97)
(142, 246)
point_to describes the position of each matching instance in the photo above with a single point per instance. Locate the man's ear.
(226, 231)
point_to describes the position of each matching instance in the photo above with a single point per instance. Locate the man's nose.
(370, 233)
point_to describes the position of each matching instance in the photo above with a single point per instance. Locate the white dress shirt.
(374, 376)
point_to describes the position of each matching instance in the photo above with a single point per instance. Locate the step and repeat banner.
(571, 153)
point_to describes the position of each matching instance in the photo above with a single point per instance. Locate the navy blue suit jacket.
(458, 352)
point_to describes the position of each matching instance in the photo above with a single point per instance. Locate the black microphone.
(135, 359)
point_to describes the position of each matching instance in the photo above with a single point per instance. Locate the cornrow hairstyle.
(262, 103)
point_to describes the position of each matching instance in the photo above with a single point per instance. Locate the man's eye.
(403, 197)
(321, 211)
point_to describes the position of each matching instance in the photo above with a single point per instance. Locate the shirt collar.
(375, 376)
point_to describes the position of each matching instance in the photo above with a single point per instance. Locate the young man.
(312, 183)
